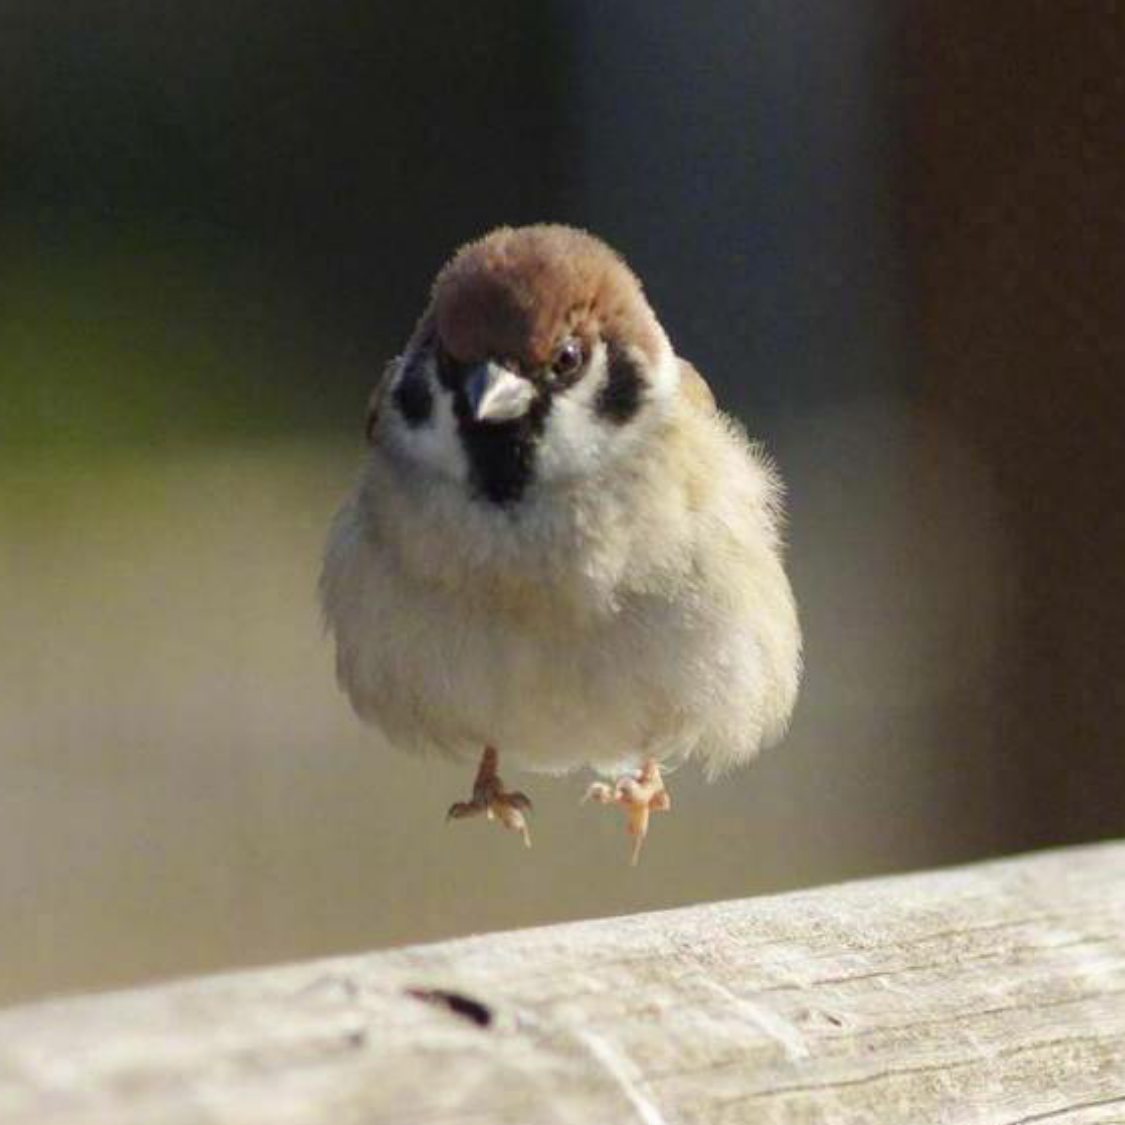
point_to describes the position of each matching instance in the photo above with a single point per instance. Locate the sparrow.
(558, 547)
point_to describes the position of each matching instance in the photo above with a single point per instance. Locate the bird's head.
(538, 361)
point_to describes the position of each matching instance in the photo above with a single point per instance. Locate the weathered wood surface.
(993, 993)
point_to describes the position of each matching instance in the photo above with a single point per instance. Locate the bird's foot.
(493, 800)
(640, 794)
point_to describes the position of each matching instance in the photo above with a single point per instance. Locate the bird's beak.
(496, 394)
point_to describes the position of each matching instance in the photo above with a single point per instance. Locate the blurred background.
(892, 236)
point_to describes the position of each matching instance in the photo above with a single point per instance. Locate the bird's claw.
(461, 809)
(639, 794)
(520, 801)
(490, 798)
(511, 817)
(600, 792)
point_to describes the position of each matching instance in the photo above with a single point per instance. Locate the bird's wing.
(694, 387)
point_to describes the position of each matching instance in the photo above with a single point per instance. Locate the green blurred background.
(893, 237)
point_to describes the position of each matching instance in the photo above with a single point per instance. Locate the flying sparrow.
(558, 545)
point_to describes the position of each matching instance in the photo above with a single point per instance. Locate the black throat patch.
(501, 455)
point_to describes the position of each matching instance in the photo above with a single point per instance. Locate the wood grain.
(993, 993)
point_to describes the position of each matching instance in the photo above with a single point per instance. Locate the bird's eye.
(568, 359)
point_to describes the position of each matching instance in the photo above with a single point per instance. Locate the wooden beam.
(992, 993)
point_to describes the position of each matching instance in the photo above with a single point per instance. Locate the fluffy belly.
(554, 696)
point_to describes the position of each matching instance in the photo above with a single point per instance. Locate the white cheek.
(574, 441)
(572, 444)
(577, 441)
(434, 445)
(664, 375)
(437, 443)
(587, 389)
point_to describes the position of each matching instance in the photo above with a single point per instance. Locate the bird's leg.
(640, 794)
(491, 798)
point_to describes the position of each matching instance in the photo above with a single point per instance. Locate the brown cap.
(516, 292)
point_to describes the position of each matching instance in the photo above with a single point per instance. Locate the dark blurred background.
(892, 236)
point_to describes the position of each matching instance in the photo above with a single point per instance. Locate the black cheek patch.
(413, 398)
(620, 398)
